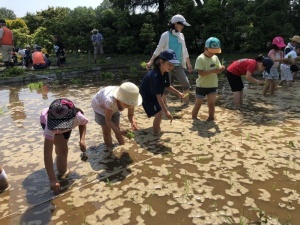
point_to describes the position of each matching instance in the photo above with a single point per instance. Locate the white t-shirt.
(104, 99)
(292, 54)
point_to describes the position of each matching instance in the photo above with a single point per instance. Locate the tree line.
(135, 26)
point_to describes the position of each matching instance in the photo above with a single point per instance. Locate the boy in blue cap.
(208, 66)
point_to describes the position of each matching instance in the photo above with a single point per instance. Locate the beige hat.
(296, 38)
(129, 94)
(94, 30)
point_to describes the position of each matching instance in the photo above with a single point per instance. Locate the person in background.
(245, 67)
(58, 121)
(97, 40)
(108, 104)
(292, 44)
(60, 51)
(28, 57)
(6, 44)
(153, 86)
(208, 66)
(14, 59)
(174, 39)
(39, 60)
(275, 54)
(290, 69)
(3, 180)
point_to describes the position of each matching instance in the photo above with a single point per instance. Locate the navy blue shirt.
(154, 83)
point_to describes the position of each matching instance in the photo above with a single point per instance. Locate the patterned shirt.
(49, 134)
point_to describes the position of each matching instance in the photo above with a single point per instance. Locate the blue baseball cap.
(170, 56)
(213, 45)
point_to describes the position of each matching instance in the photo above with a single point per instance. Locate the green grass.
(132, 63)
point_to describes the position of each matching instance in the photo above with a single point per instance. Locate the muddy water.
(244, 167)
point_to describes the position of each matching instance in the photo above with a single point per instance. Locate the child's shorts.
(273, 75)
(235, 82)
(202, 92)
(66, 135)
(286, 74)
(100, 119)
(151, 108)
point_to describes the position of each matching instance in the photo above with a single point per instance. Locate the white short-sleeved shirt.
(80, 119)
(292, 54)
(104, 99)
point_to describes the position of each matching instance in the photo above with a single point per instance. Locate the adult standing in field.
(97, 40)
(245, 67)
(174, 39)
(6, 43)
(59, 51)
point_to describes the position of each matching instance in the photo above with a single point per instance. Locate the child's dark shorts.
(151, 108)
(235, 81)
(202, 92)
(66, 134)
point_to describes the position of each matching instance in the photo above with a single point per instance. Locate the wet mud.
(242, 168)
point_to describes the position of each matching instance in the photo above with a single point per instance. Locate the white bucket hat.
(129, 94)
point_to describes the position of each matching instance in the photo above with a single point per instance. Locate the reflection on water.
(194, 173)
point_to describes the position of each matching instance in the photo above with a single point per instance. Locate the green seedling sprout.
(143, 64)
(130, 134)
(186, 95)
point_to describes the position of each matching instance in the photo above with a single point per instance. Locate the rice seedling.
(143, 64)
(130, 134)
(2, 110)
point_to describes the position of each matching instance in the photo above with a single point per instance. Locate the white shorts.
(286, 74)
(273, 75)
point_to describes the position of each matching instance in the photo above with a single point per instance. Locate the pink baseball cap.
(279, 42)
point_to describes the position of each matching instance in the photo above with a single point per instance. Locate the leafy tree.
(16, 24)
(147, 35)
(7, 14)
(33, 21)
(42, 38)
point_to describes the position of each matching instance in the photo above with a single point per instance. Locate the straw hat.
(296, 38)
(129, 94)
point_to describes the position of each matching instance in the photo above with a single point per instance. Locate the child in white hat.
(108, 104)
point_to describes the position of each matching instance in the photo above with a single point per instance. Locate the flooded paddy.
(242, 168)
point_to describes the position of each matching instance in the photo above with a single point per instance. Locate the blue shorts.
(202, 92)
(151, 108)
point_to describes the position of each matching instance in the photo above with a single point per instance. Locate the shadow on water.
(153, 143)
(111, 167)
(39, 197)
